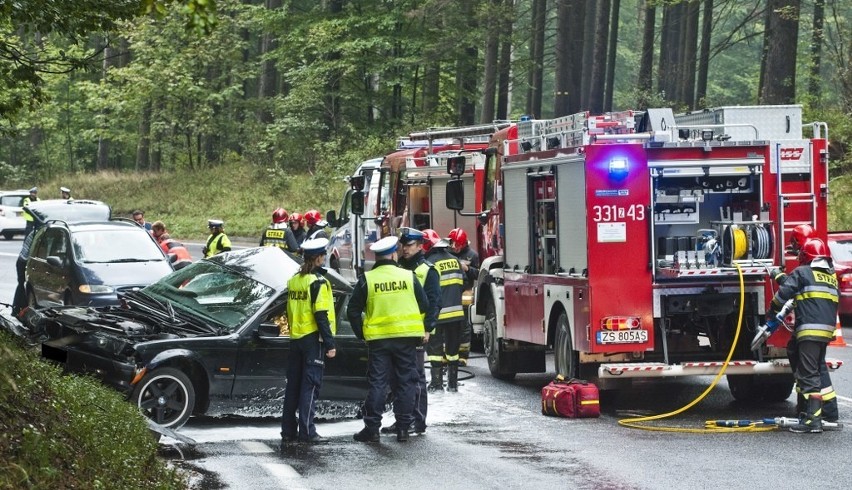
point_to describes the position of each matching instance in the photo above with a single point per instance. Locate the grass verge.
(64, 431)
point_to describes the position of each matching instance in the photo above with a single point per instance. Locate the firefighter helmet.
(296, 218)
(312, 217)
(814, 248)
(458, 238)
(279, 215)
(800, 235)
(430, 238)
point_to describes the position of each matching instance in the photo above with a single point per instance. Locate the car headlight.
(95, 289)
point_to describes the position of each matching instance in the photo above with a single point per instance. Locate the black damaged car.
(209, 338)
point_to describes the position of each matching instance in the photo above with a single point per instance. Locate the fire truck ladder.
(787, 198)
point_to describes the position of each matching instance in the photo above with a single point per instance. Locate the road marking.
(255, 447)
(285, 473)
(9, 255)
(845, 400)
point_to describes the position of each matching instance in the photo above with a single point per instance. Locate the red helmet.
(800, 235)
(312, 217)
(279, 215)
(430, 238)
(814, 248)
(458, 238)
(296, 218)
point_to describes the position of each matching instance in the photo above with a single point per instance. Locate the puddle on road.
(181, 457)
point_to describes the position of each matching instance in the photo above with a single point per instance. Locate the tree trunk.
(816, 50)
(332, 82)
(779, 79)
(103, 142)
(575, 55)
(688, 58)
(596, 88)
(143, 147)
(539, 23)
(489, 78)
(611, 55)
(646, 62)
(589, 18)
(505, 69)
(268, 85)
(704, 55)
(562, 83)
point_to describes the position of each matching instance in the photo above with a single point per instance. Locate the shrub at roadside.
(60, 431)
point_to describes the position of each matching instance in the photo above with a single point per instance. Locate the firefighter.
(296, 227)
(830, 410)
(65, 193)
(316, 225)
(392, 301)
(25, 203)
(469, 260)
(278, 234)
(310, 314)
(178, 254)
(445, 342)
(218, 241)
(814, 287)
(411, 243)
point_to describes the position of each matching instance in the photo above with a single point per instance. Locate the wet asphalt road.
(492, 435)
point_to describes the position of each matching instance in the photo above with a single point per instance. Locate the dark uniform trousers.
(397, 356)
(421, 397)
(304, 380)
(807, 358)
(445, 342)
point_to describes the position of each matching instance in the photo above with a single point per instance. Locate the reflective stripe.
(828, 393)
(814, 332)
(451, 312)
(435, 358)
(453, 358)
(817, 295)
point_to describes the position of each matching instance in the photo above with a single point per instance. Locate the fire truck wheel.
(493, 345)
(755, 389)
(777, 388)
(567, 360)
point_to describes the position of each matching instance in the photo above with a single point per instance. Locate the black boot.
(810, 421)
(453, 377)
(437, 383)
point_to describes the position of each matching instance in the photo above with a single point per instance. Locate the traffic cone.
(838, 336)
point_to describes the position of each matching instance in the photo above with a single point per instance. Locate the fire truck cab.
(641, 244)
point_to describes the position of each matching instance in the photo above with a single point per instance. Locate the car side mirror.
(268, 330)
(54, 261)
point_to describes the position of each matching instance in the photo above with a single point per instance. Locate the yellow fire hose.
(710, 426)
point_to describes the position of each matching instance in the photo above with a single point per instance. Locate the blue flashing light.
(618, 168)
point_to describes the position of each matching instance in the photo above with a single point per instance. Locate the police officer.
(830, 412)
(392, 301)
(65, 193)
(310, 314)
(445, 342)
(316, 225)
(25, 203)
(469, 260)
(814, 287)
(218, 241)
(411, 243)
(278, 234)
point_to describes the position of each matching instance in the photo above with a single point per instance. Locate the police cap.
(316, 246)
(385, 246)
(215, 223)
(407, 235)
(33, 190)
(65, 189)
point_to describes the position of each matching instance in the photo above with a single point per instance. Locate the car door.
(47, 267)
(345, 376)
(261, 367)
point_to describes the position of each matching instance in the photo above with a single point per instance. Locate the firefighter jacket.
(391, 300)
(431, 282)
(816, 294)
(310, 307)
(452, 279)
(217, 244)
(472, 258)
(279, 235)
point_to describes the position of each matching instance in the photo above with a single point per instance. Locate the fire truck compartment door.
(517, 219)
(571, 200)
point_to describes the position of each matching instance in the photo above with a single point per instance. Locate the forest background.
(192, 109)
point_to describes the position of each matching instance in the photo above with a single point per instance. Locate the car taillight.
(620, 322)
(846, 281)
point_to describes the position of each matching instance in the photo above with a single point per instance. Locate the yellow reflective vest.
(301, 309)
(392, 310)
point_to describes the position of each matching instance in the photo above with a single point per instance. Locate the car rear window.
(121, 245)
(10, 200)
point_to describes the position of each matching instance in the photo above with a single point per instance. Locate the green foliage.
(69, 439)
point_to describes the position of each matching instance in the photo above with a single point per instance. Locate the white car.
(11, 214)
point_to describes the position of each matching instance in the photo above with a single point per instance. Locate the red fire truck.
(619, 241)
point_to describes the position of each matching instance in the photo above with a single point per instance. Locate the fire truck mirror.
(331, 217)
(455, 165)
(356, 182)
(357, 204)
(455, 194)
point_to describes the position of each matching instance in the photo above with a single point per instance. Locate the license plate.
(622, 337)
